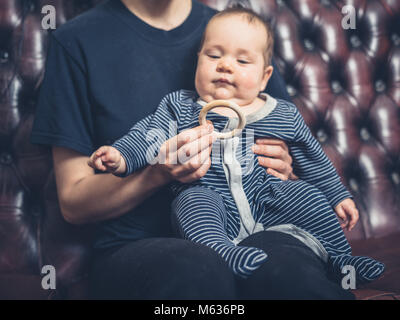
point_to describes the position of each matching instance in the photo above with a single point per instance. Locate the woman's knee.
(292, 271)
(170, 269)
(282, 277)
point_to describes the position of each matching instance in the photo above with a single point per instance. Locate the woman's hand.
(275, 158)
(186, 157)
(348, 213)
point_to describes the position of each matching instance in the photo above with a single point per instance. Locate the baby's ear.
(267, 75)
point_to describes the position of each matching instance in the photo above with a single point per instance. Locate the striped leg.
(303, 205)
(202, 218)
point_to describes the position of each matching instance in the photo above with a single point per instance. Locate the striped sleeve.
(311, 164)
(140, 146)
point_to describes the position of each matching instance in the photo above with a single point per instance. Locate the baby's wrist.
(121, 169)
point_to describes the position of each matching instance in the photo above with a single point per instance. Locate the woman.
(106, 70)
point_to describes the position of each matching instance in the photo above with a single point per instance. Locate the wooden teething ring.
(230, 105)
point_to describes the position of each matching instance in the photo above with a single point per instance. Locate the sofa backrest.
(344, 80)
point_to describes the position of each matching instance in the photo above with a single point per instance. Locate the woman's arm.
(87, 197)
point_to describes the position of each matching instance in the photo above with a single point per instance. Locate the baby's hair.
(252, 17)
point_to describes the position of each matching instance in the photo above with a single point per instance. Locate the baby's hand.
(347, 209)
(108, 159)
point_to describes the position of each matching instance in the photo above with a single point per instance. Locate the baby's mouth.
(223, 81)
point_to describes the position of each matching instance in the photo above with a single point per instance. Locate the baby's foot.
(366, 269)
(242, 260)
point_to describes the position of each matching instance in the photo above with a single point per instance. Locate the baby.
(231, 202)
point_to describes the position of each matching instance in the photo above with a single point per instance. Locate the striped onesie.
(237, 198)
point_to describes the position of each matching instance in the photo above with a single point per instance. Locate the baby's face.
(231, 62)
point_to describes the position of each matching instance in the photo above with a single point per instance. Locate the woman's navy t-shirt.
(106, 70)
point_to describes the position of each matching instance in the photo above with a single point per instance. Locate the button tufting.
(396, 39)
(291, 90)
(31, 6)
(353, 184)
(3, 56)
(380, 86)
(364, 133)
(326, 3)
(355, 41)
(5, 158)
(396, 178)
(322, 136)
(336, 87)
(280, 3)
(309, 45)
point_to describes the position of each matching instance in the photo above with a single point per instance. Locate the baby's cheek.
(250, 87)
(248, 80)
(201, 79)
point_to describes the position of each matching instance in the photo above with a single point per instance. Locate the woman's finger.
(269, 141)
(273, 151)
(276, 164)
(196, 175)
(276, 174)
(191, 149)
(168, 151)
(192, 165)
(192, 134)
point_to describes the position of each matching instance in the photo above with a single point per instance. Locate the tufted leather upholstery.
(346, 83)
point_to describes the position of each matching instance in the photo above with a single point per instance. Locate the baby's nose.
(224, 66)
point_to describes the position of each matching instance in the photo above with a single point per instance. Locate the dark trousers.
(170, 268)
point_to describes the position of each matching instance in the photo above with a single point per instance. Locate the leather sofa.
(345, 82)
